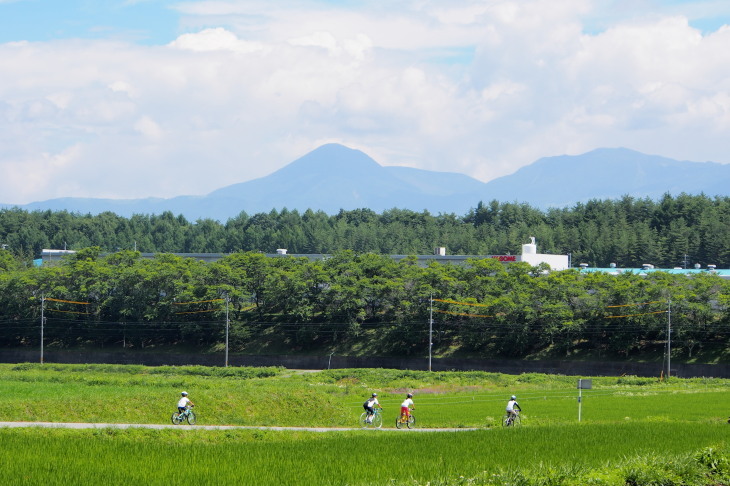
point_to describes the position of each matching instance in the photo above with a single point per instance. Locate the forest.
(673, 231)
(359, 303)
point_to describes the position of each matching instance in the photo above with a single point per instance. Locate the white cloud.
(501, 90)
(480, 87)
(43, 173)
(324, 40)
(215, 40)
(149, 128)
(120, 86)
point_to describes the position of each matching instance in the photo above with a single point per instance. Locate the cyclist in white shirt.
(406, 406)
(370, 405)
(184, 401)
(513, 407)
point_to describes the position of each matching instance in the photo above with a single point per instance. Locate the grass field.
(633, 430)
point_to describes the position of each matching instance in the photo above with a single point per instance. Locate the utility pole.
(430, 332)
(669, 338)
(43, 320)
(227, 326)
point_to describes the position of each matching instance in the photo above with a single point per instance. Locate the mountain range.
(334, 177)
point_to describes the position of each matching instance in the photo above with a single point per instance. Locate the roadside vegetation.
(633, 431)
(361, 304)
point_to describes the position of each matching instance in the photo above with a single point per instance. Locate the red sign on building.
(505, 258)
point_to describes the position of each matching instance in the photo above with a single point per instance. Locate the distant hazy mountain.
(335, 177)
(608, 174)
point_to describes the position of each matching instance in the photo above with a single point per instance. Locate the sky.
(161, 98)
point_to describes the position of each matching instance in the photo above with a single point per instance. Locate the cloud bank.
(478, 87)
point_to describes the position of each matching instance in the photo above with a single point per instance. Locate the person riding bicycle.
(370, 405)
(182, 404)
(513, 408)
(406, 406)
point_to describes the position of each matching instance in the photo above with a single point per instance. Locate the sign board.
(504, 258)
(585, 384)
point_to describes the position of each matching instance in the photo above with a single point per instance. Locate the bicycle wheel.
(398, 423)
(513, 421)
(176, 418)
(191, 417)
(411, 422)
(377, 421)
(364, 420)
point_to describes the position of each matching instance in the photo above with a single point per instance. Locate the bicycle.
(188, 414)
(409, 422)
(512, 420)
(375, 422)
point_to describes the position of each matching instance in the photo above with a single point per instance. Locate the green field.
(633, 430)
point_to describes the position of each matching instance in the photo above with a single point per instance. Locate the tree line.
(673, 231)
(483, 307)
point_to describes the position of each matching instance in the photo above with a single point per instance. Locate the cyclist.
(406, 406)
(513, 408)
(183, 403)
(370, 405)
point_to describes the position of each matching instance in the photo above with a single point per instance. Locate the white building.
(531, 256)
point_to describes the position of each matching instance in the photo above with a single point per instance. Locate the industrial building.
(529, 255)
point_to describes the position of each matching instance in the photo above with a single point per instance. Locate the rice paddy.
(629, 426)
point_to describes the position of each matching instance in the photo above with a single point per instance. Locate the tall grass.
(262, 457)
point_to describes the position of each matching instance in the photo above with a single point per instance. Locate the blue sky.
(144, 22)
(137, 98)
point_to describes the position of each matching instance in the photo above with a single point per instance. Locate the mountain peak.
(608, 173)
(332, 156)
(332, 148)
(333, 177)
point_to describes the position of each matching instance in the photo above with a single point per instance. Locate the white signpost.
(583, 384)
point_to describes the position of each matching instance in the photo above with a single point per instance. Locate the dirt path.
(73, 425)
